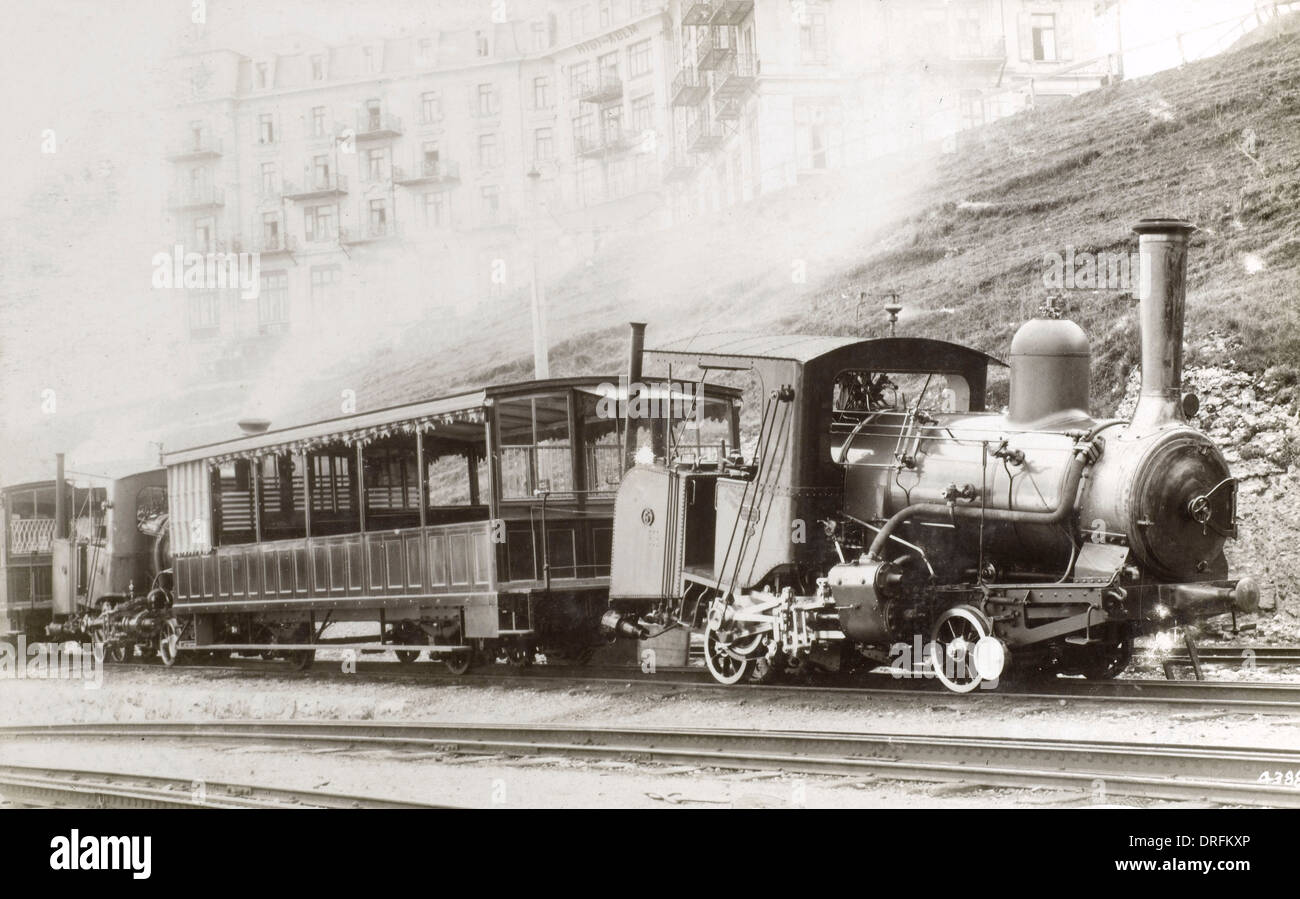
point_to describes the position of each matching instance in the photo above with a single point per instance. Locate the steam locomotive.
(887, 511)
(884, 515)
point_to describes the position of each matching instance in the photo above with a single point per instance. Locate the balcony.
(698, 12)
(728, 109)
(368, 233)
(373, 125)
(689, 88)
(703, 135)
(427, 172)
(205, 147)
(315, 186)
(608, 88)
(712, 52)
(196, 197)
(735, 77)
(605, 143)
(730, 12)
(269, 244)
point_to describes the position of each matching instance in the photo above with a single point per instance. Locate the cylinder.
(1162, 294)
(60, 500)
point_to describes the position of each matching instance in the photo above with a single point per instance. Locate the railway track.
(1241, 697)
(1218, 774)
(70, 788)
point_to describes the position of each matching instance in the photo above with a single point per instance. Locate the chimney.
(636, 346)
(1162, 292)
(60, 500)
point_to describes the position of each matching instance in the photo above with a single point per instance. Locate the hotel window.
(578, 20)
(643, 114)
(374, 115)
(424, 51)
(639, 59)
(319, 223)
(430, 107)
(488, 152)
(542, 92)
(268, 179)
(540, 38)
(579, 78)
(320, 172)
(606, 14)
(318, 68)
(273, 300)
(813, 43)
(583, 129)
(611, 123)
(368, 59)
(481, 44)
(261, 75)
(196, 135)
(203, 231)
(607, 65)
(326, 281)
(543, 144)
(487, 99)
(434, 208)
(271, 230)
(1044, 36)
(490, 200)
(318, 121)
(378, 223)
(266, 128)
(431, 158)
(375, 164)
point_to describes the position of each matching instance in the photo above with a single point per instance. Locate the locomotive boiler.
(887, 516)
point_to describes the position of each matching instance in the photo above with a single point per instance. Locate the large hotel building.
(421, 173)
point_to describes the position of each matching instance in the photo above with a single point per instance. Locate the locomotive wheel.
(727, 665)
(168, 652)
(952, 647)
(458, 662)
(1107, 660)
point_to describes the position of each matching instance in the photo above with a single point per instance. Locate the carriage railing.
(30, 535)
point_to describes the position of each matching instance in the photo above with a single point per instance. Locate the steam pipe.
(1084, 454)
(636, 348)
(1162, 293)
(60, 500)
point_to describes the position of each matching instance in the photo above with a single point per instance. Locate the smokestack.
(635, 349)
(60, 500)
(1162, 292)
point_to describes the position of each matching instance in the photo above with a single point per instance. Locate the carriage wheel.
(410, 634)
(953, 649)
(458, 662)
(300, 659)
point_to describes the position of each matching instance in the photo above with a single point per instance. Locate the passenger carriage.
(476, 525)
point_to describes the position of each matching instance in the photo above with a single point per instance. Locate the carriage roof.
(741, 349)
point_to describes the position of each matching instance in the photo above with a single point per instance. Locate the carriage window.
(333, 494)
(456, 473)
(873, 391)
(392, 488)
(536, 450)
(282, 491)
(602, 442)
(233, 494)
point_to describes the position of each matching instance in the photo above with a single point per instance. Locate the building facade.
(412, 177)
